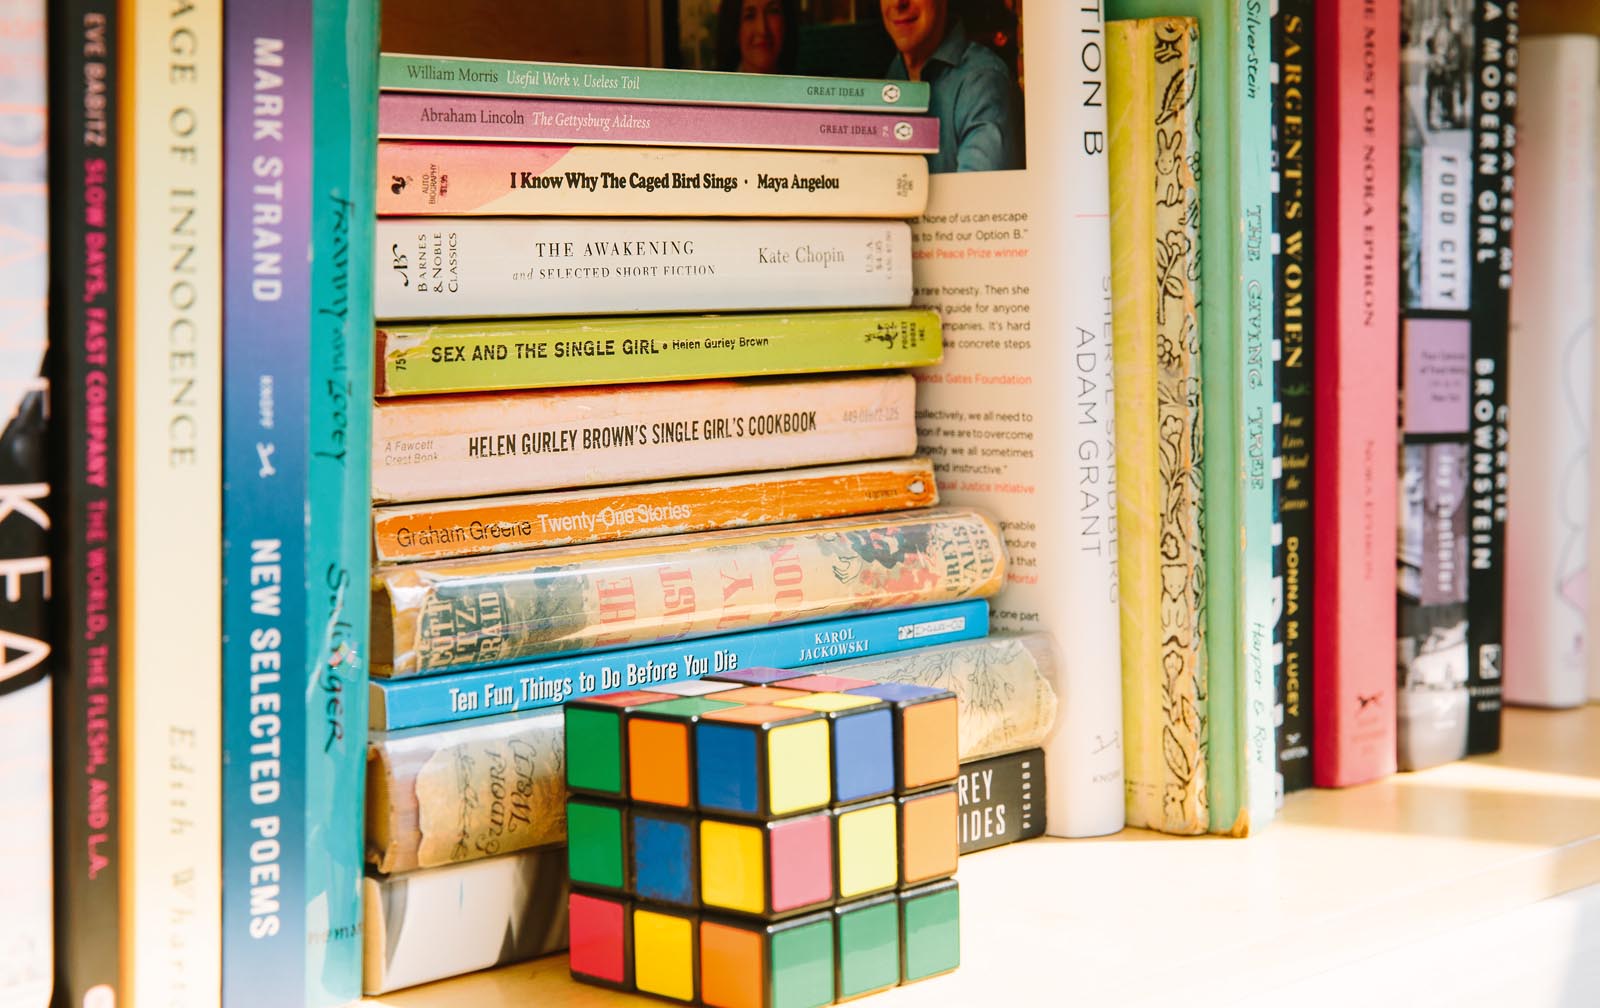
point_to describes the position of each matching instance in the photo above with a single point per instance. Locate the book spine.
(450, 75)
(463, 268)
(1552, 343)
(171, 508)
(266, 169)
(1353, 740)
(1594, 447)
(527, 353)
(590, 180)
(344, 105)
(478, 526)
(506, 689)
(1002, 800)
(460, 446)
(536, 120)
(456, 919)
(1155, 249)
(86, 409)
(469, 613)
(1456, 152)
(1293, 151)
(28, 512)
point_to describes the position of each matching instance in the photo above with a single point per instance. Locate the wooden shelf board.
(1141, 918)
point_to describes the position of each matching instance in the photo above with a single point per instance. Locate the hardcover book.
(1358, 199)
(1294, 147)
(460, 446)
(539, 120)
(454, 919)
(605, 181)
(85, 409)
(171, 530)
(451, 75)
(463, 268)
(435, 617)
(476, 526)
(1239, 391)
(1552, 343)
(495, 355)
(505, 689)
(1152, 71)
(1001, 800)
(1458, 88)
(27, 513)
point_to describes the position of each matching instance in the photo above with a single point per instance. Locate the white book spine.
(1551, 373)
(25, 938)
(1594, 440)
(459, 268)
(1018, 417)
(171, 538)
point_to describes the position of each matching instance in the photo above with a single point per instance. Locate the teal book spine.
(521, 78)
(344, 121)
(1238, 391)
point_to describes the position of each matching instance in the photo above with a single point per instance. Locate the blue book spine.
(338, 502)
(411, 703)
(266, 325)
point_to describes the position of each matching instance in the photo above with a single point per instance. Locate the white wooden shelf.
(1340, 888)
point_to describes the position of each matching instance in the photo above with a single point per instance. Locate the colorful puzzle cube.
(867, 936)
(930, 841)
(757, 675)
(691, 687)
(597, 844)
(768, 869)
(930, 930)
(867, 848)
(861, 732)
(759, 694)
(761, 760)
(600, 940)
(666, 953)
(927, 739)
(665, 856)
(754, 964)
(821, 682)
(597, 742)
(661, 749)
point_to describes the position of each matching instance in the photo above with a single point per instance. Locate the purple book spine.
(470, 117)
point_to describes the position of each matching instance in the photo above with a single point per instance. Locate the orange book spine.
(475, 527)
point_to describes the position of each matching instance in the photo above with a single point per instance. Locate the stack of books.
(630, 499)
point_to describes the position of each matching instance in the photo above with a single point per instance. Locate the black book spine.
(1495, 34)
(1291, 105)
(1001, 799)
(84, 79)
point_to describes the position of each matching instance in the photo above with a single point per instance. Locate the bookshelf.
(1349, 887)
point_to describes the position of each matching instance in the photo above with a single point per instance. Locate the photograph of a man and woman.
(968, 51)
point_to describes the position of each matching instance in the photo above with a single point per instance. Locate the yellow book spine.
(1151, 75)
(171, 503)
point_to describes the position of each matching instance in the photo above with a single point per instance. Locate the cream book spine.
(171, 532)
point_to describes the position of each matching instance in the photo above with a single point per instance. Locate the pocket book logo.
(902, 131)
(891, 93)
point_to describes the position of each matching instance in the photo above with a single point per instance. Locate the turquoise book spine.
(1238, 391)
(344, 121)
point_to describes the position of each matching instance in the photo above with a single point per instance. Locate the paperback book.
(1001, 800)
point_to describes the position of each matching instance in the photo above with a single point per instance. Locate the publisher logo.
(891, 93)
(902, 131)
(399, 185)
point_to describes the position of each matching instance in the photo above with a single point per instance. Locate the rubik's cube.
(764, 838)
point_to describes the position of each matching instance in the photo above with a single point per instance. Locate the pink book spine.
(474, 117)
(1357, 201)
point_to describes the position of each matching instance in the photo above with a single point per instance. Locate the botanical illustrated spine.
(1293, 150)
(1456, 150)
(464, 268)
(86, 394)
(29, 512)
(1155, 246)
(1552, 345)
(345, 38)
(171, 468)
(496, 355)
(1001, 800)
(448, 529)
(460, 446)
(266, 329)
(455, 919)
(537, 120)
(507, 689)
(459, 614)
(453, 75)
(1353, 740)
(593, 180)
